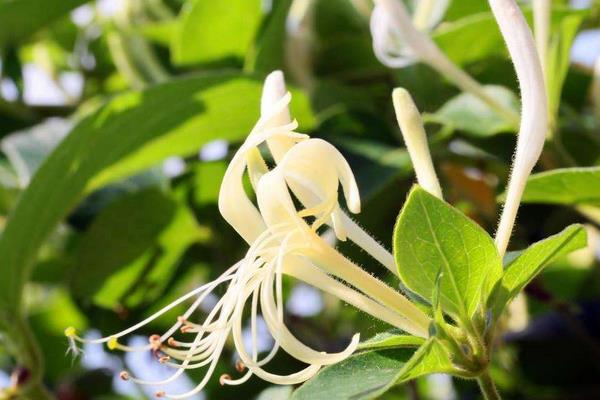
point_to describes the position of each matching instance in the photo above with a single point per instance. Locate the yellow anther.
(112, 343)
(70, 332)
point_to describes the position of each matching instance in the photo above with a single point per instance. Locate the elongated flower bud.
(415, 139)
(541, 25)
(534, 109)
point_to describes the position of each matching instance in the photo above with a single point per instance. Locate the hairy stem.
(487, 386)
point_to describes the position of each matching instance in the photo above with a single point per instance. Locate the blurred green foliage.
(98, 231)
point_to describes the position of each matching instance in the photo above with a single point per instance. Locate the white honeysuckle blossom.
(398, 41)
(392, 44)
(283, 240)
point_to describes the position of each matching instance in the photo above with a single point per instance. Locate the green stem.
(487, 386)
(21, 343)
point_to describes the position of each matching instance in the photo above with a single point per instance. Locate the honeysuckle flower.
(398, 41)
(392, 42)
(534, 109)
(283, 239)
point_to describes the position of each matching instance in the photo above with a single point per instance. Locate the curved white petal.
(273, 91)
(388, 44)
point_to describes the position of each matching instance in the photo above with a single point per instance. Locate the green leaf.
(276, 393)
(564, 30)
(532, 261)
(568, 186)
(20, 19)
(161, 32)
(479, 30)
(391, 339)
(468, 113)
(268, 53)
(130, 133)
(430, 235)
(431, 358)
(361, 376)
(213, 30)
(370, 374)
(200, 111)
(129, 252)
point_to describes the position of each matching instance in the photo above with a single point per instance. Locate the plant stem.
(487, 386)
(21, 343)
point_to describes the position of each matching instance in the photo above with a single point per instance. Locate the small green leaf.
(532, 261)
(359, 377)
(213, 30)
(468, 113)
(431, 358)
(568, 186)
(391, 339)
(431, 236)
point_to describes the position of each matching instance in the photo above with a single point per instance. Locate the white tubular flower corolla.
(534, 109)
(415, 139)
(541, 26)
(283, 240)
(392, 24)
(394, 43)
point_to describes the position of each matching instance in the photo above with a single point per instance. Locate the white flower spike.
(534, 109)
(282, 242)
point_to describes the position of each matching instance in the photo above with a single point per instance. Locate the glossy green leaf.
(431, 358)
(268, 53)
(431, 236)
(530, 262)
(370, 374)
(194, 112)
(469, 114)
(212, 30)
(567, 186)
(132, 132)
(20, 19)
(359, 377)
(391, 339)
(479, 30)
